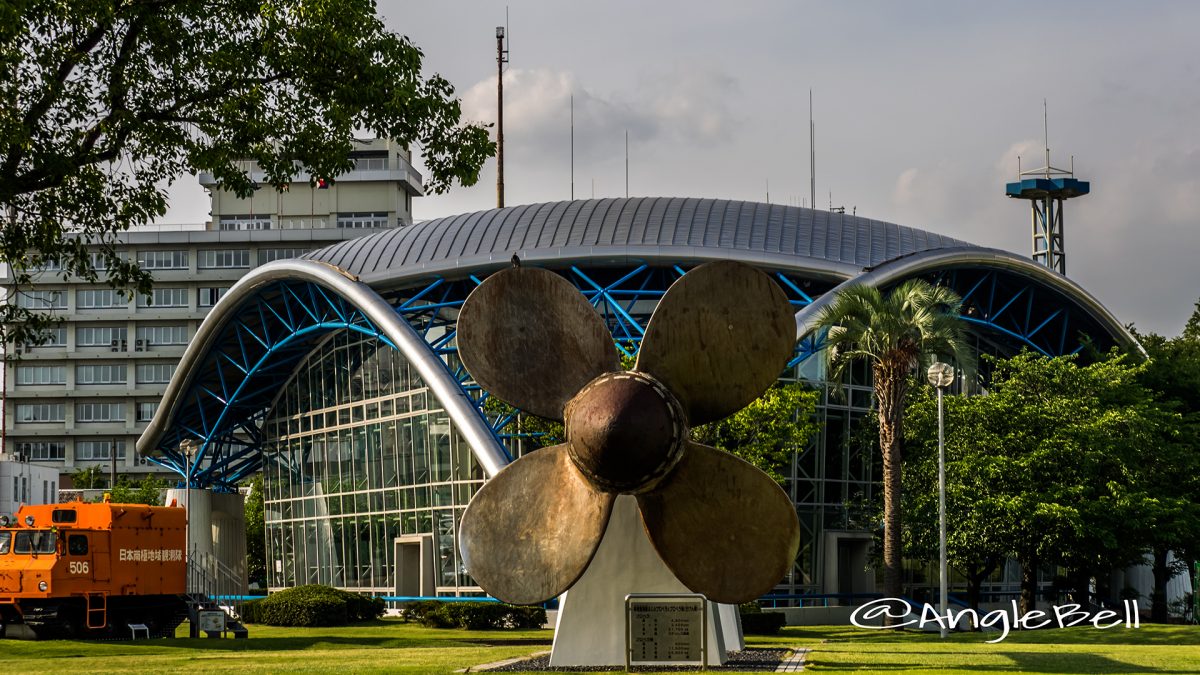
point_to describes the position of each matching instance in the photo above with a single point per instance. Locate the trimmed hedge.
(763, 623)
(473, 615)
(312, 605)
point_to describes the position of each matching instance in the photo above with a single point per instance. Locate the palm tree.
(893, 332)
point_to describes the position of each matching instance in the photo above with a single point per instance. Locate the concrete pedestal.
(590, 630)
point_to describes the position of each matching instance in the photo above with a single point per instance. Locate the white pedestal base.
(590, 630)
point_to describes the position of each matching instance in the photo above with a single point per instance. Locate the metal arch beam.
(459, 407)
(940, 259)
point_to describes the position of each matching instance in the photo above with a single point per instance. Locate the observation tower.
(1046, 189)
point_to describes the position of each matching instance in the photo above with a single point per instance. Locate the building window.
(42, 451)
(164, 297)
(100, 264)
(94, 411)
(163, 260)
(100, 336)
(99, 298)
(370, 160)
(55, 337)
(146, 410)
(100, 373)
(266, 255)
(41, 375)
(224, 259)
(40, 412)
(98, 450)
(245, 222)
(35, 263)
(42, 300)
(207, 296)
(155, 373)
(311, 223)
(163, 335)
(355, 221)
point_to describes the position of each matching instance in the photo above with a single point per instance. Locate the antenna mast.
(812, 155)
(572, 147)
(501, 59)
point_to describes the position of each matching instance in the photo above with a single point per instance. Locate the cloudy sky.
(921, 110)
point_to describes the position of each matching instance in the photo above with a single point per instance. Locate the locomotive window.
(36, 541)
(5, 538)
(62, 516)
(77, 544)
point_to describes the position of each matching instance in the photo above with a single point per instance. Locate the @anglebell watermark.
(1004, 620)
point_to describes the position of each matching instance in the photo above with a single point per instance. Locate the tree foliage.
(1044, 467)
(105, 103)
(768, 432)
(88, 477)
(146, 491)
(256, 534)
(1169, 478)
(893, 332)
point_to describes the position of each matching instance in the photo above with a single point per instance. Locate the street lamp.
(941, 376)
(188, 448)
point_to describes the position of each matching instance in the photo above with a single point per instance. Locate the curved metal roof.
(835, 244)
(281, 307)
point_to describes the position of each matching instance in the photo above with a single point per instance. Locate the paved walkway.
(794, 663)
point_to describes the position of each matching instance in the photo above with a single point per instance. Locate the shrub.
(763, 623)
(473, 615)
(312, 605)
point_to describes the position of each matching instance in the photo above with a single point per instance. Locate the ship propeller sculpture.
(719, 337)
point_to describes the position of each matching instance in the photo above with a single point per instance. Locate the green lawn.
(392, 646)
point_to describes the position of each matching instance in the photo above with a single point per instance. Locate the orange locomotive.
(80, 569)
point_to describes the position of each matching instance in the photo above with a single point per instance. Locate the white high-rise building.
(91, 389)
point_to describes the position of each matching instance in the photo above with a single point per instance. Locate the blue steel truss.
(224, 408)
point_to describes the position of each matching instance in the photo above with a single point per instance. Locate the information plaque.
(666, 630)
(212, 621)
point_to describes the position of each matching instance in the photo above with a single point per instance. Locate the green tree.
(1044, 467)
(88, 478)
(980, 538)
(1169, 475)
(145, 491)
(104, 104)
(769, 432)
(892, 332)
(256, 534)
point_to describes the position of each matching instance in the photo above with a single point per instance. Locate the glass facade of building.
(360, 453)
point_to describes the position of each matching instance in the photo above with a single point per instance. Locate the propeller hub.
(625, 431)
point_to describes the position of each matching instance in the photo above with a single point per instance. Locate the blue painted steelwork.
(1025, 313)
(258, 349)
(1040, 188)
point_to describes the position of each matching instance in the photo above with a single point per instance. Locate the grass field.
(392, 646)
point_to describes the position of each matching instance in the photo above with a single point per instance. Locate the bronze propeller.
(719, 337)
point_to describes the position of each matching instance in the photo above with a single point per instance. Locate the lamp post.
(188, 448)
(941, 376)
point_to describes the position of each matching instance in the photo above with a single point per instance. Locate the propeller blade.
(723, 527)
(531, 531)
(527, 336)
(719, 338)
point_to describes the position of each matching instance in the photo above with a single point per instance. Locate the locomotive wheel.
(70, 622)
